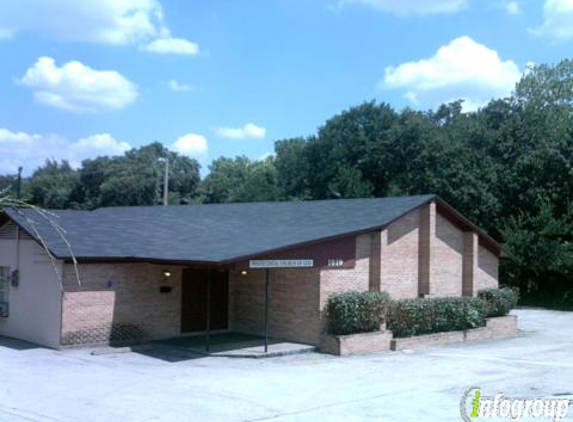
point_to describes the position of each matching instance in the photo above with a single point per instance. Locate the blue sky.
(210, 78)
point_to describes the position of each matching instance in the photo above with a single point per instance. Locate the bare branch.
(19, 206)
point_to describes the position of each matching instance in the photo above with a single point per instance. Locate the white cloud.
(513, 8)
(102, 144)
(250, 130)
(7, 136)
(191, 144)
(413, 7)
(114, 22)
(77, 87)
(175, 85)
(172, 46)
(32, 150)
(557, 20)
(463, 69)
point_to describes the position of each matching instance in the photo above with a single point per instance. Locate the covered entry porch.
(135, 302)
(249, 307)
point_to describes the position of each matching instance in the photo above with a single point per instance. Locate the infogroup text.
(474, 407)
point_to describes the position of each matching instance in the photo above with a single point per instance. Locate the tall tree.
(293, 168)
(538, 180)
(240, 180)
(53, 185)
(137, 177)
(357, 138)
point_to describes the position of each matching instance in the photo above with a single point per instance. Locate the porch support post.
(208, 335)
(267, 294)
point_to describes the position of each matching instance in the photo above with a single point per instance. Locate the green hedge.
(356, 312)
(413, 317)
(498, 302)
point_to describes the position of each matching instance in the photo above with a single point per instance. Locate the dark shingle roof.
(212, 233)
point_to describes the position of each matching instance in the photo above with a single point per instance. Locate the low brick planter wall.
(378, 341)
(427, 340)
(482, 333)
(502, 326)
(505, 326)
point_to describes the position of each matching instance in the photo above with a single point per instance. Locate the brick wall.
(469, 263)
(426, 236)
(447, 255)
(502, 326)
(131, 309)
(399, 257)
(343, 280)
(423, 252)
(294, 303)
(356, 343)
(298, 297)
(487, 270)
(375, 262)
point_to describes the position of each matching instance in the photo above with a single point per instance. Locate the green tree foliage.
(9, 183)
(135, 178)
(349, 182)
(53, 185)
(541, 242)
(359, 138)
(292, 168)
(240, 180)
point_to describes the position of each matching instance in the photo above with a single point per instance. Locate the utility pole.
(166, 183)
(19, 183)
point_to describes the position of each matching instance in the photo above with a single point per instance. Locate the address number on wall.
(335, 262)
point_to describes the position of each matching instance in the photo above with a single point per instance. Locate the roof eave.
(327, 238)
(102, 259)
(15, 216)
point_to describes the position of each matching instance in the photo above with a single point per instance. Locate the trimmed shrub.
(498, 302)
(356, 312)
(413, 317)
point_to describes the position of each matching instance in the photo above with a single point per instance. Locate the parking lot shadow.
(194, 347)
(166, 352)
(16, 344)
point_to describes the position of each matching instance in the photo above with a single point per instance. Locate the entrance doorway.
(194, 300)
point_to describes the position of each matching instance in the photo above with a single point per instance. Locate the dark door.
(194, 300)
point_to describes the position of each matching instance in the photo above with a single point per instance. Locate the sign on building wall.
(281, 263)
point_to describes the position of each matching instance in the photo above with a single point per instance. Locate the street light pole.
(19, 183)
(166, 183)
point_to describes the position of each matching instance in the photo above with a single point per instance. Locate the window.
(5, 277)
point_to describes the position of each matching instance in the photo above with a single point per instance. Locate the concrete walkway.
(236, 346)
(413, 385)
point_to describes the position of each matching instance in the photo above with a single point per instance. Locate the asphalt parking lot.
(423, 385)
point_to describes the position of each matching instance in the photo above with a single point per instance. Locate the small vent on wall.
(8, 232)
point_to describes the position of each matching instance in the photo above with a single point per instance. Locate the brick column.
(426, 237)
(374, 279)
(469, 263)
